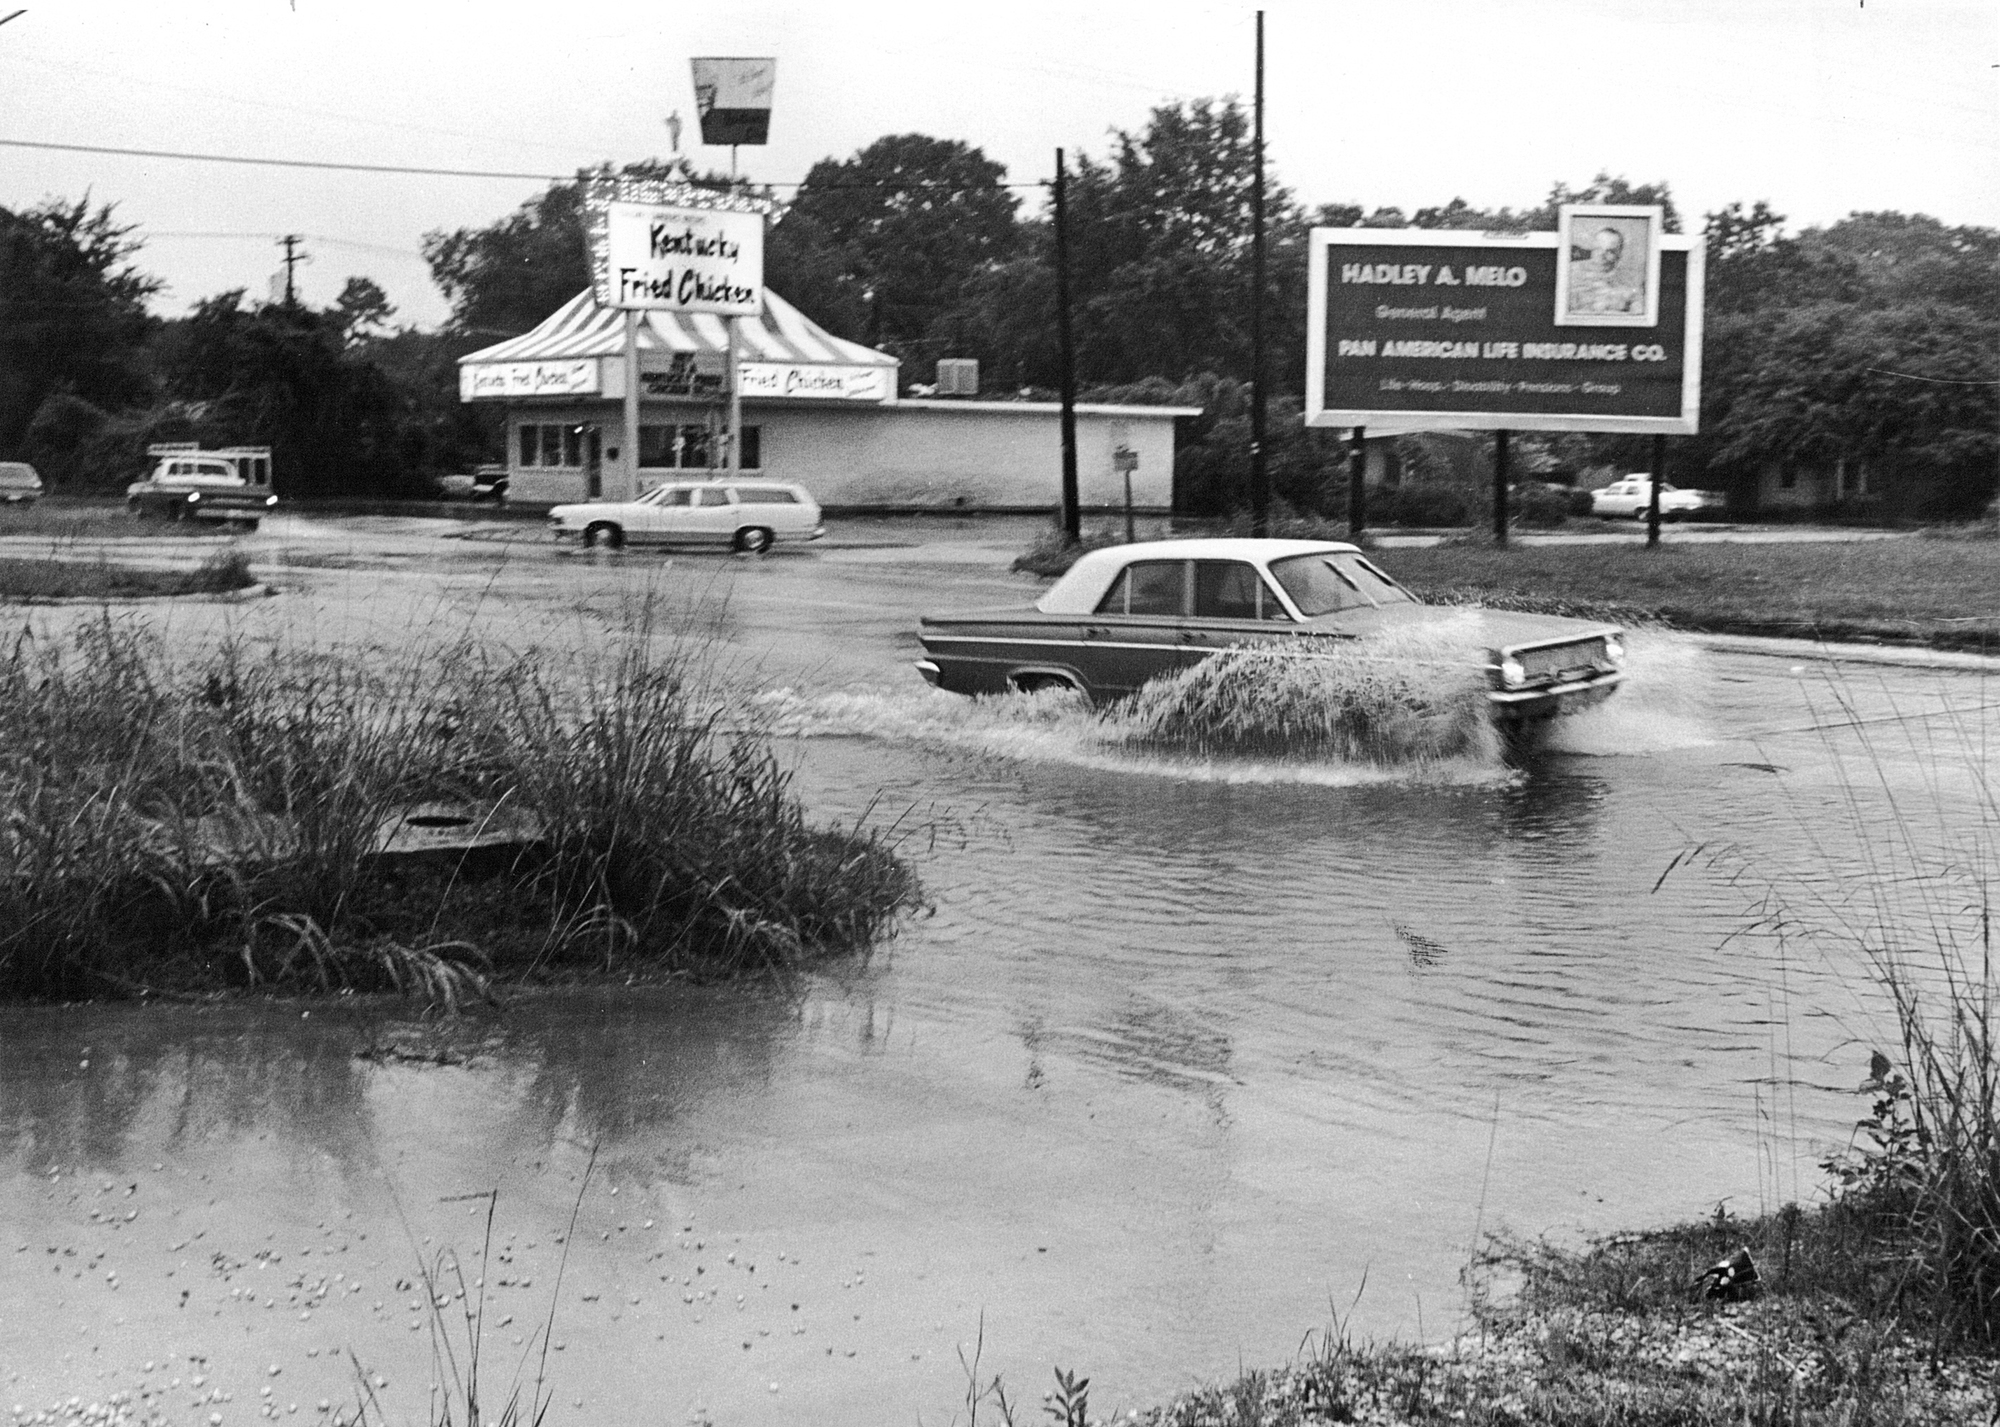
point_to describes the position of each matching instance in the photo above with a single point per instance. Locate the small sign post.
(1125, 461)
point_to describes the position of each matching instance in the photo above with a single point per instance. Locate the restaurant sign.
(1593, 328)
(830, 383)
(489, 381)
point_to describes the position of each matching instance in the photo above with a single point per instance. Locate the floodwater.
(1186, 1057)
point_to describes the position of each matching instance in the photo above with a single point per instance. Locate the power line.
(444, 172)
(281, 163)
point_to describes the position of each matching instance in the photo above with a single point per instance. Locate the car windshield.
(1326, 584)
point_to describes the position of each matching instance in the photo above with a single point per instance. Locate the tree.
(880, 247)
(282, 375)
(504, 278)
(362, 311)
(72, 311)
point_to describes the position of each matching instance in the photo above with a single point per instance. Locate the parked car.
(489, 483)
(745, 515)
(1633, 495)
(231, 485)
(1131, 613)
(19, 485)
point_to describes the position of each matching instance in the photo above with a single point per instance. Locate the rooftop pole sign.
(1596, 327)
(672, 247)
(669, 246)
(733, 98)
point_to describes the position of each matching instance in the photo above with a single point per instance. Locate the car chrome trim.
(1606, 682)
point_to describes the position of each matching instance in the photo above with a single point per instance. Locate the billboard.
(1415, 329)
(733, 98)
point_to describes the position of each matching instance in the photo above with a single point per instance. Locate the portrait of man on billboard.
(1608, 266)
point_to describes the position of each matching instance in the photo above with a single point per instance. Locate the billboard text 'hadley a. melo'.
(1419, 328)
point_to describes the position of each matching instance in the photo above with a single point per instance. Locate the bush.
(222, 823)
(1419, 505)
(1543, 507)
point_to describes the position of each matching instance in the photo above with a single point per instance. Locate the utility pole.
(1260, 475)
(290, 243)
(1072, 517)
(1500, 477)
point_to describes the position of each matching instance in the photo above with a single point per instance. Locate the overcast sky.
(1821, 107)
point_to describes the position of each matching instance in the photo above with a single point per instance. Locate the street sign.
(733, 98)
(1595, 328)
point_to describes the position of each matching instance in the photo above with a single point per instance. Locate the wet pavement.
(1185, 1054)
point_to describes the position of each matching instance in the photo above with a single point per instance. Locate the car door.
(1233, 605)
(1135, 634)
(712, 517)
(658, 516)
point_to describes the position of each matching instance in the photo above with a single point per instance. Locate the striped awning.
(580, 328)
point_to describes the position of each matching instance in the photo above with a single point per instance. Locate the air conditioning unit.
(958, 376)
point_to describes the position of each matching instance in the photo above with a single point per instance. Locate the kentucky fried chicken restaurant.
(817, 409)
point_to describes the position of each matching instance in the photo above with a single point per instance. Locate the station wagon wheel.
(603, 533)
(753, 539)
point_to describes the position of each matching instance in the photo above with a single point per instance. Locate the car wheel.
(1039, 683)
(753, 540)
(603, 533)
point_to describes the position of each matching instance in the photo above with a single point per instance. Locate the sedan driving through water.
(1130, 614)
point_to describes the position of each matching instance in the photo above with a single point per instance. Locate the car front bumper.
(1551, 700)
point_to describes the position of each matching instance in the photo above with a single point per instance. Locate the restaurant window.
(548, 444)
(689, 447)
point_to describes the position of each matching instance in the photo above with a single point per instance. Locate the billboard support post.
(1500, 488)
(1072, 517)
(1357, 484)
(628, 481)
(1653, 497)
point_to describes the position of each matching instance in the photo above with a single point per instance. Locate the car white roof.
(1079, 591)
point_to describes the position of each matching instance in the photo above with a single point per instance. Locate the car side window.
(1230, 589)
(1148, 587)
(712, 495)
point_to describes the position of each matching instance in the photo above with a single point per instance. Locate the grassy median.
(1907, 590)
(251, 819)
(30, 579)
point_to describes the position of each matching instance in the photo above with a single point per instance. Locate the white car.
(744, 515)
(1632, 497)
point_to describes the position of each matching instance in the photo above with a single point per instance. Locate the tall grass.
(1404, 697)
(221, 821)
(1911, 1225)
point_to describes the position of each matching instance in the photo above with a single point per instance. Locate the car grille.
(1550, 663)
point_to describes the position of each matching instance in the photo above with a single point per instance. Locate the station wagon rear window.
(765, 495)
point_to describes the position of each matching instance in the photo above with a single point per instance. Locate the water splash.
(1403, 707)
(1664, 703)
(1406, 697)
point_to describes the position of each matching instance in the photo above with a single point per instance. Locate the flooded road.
(1185, 1054)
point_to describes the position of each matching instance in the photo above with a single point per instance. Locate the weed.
(222, 821)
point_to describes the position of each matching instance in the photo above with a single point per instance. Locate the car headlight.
(1614, 648)
(1512, 672)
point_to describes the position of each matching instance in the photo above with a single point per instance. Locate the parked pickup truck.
(187, 483)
